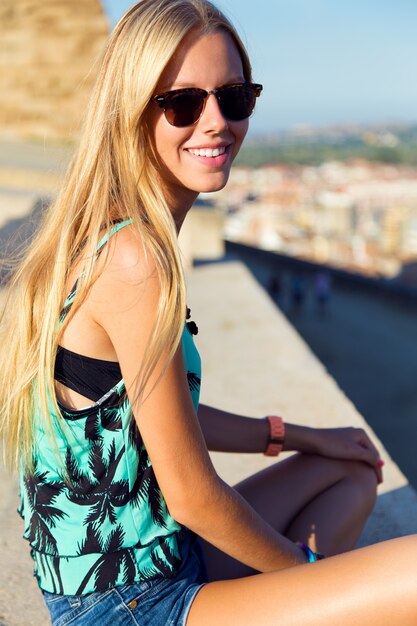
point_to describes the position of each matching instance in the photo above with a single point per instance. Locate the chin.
(212, 185)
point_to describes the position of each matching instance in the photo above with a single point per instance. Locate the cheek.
(161, 141)
(167, 139)
(239, 131)
(159, 131)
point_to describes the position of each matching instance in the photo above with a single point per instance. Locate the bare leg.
(374, 586)
(320, 501)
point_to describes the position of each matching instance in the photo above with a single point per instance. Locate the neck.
(180, 205)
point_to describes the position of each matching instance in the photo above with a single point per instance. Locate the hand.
(348, 443)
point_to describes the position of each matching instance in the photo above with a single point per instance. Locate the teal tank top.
(103, 521)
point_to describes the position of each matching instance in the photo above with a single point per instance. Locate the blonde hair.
(113, 175)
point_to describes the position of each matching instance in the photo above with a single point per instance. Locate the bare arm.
(228, 432)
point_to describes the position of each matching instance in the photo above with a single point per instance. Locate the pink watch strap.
(276, 435)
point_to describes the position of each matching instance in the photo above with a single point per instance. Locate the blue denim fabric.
(156, 602)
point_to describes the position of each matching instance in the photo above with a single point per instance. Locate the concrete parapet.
(254, 362)
(202, 235)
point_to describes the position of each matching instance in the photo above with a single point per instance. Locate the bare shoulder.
(127, 256)
(126, 274)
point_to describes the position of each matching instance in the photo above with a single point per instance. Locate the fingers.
(372, 454)
(366, 443)
(378, 471)
(349, 443)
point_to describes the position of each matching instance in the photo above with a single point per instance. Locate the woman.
(100, 388)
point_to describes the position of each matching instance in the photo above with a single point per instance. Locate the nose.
(212, 118)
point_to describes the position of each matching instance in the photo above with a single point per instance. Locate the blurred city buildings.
(357, 215)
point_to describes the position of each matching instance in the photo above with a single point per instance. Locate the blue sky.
(326, 61)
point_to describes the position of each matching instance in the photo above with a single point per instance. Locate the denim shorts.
(156, 602)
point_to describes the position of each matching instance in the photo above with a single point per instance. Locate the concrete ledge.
(253, 362)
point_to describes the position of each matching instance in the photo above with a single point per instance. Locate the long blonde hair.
(113, 175)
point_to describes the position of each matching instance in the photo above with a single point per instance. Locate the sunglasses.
(184, 107)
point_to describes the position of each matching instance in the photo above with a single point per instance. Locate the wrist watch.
(276, 435)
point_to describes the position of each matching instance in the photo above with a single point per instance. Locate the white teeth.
(208, 152)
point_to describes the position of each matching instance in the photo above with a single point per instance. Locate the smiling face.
(198, 158)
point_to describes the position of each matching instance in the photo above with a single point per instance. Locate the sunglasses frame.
(161, 99)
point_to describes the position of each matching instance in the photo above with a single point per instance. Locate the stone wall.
(47, 50)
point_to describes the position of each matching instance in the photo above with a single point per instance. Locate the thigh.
(279, 493)
(325, 593)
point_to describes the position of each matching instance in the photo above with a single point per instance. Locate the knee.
(363, 478)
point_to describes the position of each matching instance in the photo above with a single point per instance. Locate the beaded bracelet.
(312, 557)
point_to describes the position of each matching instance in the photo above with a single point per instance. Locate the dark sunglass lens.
(237, 103)
(183, 109)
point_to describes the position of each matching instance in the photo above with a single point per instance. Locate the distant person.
(297, 294)
(127, 519)
(275, 287)
(322, 293)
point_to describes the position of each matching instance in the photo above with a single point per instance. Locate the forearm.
(228, 522)
(228, 432)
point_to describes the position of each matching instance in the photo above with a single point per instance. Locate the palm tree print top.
(93, 511)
